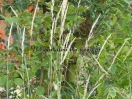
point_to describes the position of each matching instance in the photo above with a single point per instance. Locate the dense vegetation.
(65, 49)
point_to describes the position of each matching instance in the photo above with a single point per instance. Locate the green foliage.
(40, 90)
(18, 81)
(40, 69)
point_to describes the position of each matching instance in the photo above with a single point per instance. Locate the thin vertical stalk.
(7, 71)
